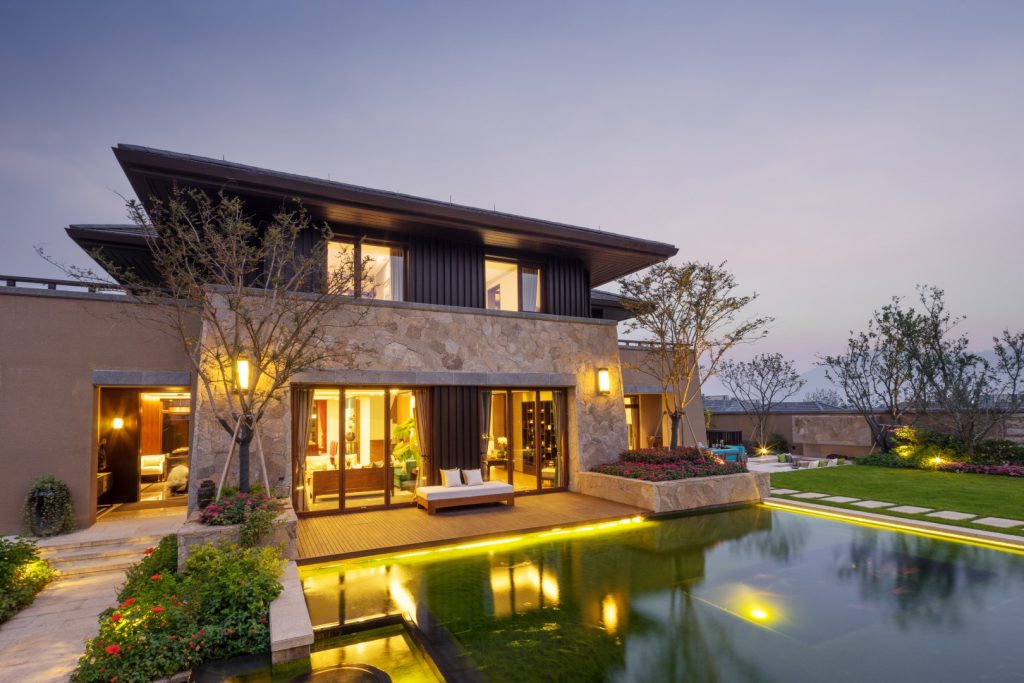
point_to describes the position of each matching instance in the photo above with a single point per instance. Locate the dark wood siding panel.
(566, 285)
(456, 421)
(446, 273)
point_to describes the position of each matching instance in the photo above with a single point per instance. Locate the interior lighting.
(118, 423)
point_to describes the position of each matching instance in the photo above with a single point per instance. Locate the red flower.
(148, 551)
(155, 577)
(113, 649)
(263, 620)
(231, 631)
(157, 610)
(115, 617)
(128, 603)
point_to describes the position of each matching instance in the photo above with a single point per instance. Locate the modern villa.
(487, 345)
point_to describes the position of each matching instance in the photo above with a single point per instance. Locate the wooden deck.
(368, 533)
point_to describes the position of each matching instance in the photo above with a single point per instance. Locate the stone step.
(80, 567)
(132, 553)
(49, 547)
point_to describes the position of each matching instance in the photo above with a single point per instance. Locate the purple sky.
(835, 153)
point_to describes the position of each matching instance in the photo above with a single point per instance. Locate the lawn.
(979, 494)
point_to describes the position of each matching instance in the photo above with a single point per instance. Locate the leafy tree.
(691, 318)
(829, 397)
(971, 394)
(877, 373)
(760, 384)
(255, 294)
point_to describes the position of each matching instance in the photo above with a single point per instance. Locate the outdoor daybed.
(432, 498)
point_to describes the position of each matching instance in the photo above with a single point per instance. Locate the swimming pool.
(752, 594)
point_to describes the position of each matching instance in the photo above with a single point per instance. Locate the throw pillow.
(473, 477)
(451, 478)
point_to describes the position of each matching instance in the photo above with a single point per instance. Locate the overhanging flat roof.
(608, 256)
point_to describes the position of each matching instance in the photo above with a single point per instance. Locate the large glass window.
(371, 271)
(511, 286)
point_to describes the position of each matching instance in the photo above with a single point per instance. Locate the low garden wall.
(677, 495)
(284, 533)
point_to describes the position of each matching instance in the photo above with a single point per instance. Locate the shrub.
(47, 510)
(22, 575)
(886, 460)
(161, 560)
(254, 511)
(661, 455)
(218, 607)
(1000, 470)
(777, 444)
(230, 589)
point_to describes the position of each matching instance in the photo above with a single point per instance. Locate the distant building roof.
(724, 406)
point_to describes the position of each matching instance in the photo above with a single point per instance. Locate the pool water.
(753, 594)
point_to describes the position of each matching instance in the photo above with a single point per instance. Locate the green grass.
(979, 494)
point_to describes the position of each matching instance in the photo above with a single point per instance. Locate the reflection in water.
(745, 595)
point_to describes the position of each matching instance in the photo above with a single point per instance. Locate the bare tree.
(829, 397)
(760, 384)
(690, 316)
(971, 394)
(877, 371)
(265, 307)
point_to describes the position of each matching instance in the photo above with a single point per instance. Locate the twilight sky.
(835, 154)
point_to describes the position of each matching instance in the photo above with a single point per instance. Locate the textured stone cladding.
(422, 338)
(831, 430)
(675, 496)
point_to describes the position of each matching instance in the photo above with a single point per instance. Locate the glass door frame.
(563, 456)
(388, 467)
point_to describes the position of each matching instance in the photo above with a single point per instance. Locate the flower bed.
(1000, 470)
(251, 520)
(662, 480)
(22, 576)
(658, 464)
(167, 622)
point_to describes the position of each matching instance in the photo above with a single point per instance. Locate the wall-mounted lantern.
(604, 381)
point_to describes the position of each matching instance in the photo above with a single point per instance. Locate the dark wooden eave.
(608, 256)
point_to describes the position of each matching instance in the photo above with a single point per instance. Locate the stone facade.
(677, 496)
(420, 344)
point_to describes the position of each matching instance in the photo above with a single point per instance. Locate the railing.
(637, 344)
(52, 284)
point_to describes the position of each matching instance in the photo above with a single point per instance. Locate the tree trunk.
(878, 433)
(675, 416)
(245, 435)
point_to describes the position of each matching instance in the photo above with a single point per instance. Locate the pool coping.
(955, 533)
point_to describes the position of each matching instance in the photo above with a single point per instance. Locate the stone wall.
(418, 345)
(677, 496)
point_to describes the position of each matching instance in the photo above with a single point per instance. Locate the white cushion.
(451, 478)
(318, 462)
(473, 477)
(812, 464)
(488, 488)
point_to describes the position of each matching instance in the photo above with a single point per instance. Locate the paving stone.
(913, 510)
(998, 522)
(839, 499)
(956, 516)
(810, 494)
(783, 492)
(872, 504)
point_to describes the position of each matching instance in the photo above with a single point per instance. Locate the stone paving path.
(42, 643)
(881, 506)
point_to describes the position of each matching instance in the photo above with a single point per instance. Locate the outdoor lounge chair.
(433, 498)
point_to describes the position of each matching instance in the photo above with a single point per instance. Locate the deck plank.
(366, 533)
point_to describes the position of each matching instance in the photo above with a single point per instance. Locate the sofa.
(153, 466)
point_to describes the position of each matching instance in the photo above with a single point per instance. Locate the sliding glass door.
(359, 448)
(523, 434)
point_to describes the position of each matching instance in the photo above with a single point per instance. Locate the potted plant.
(47, 510)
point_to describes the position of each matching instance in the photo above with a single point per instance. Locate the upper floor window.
(511, 286)
(377, 270)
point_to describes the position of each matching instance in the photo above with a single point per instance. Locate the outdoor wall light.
(242, 372)
(118, 423)
(604, 381)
